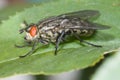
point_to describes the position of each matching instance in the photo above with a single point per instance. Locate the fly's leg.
(30, 52)
(22, 46)
(81, 40)
(58, 40)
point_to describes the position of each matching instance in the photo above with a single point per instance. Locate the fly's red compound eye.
(33, 30)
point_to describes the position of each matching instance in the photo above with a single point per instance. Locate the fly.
(55, 29)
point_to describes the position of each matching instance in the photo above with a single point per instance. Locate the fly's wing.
(84, 14)
(97, 26)
(51, 18)
(92, 26)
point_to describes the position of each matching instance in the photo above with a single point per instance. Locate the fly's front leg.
(31, 51)
(58, 40)
(81, 40)
(22, 46)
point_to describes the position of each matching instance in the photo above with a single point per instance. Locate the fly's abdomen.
(85, 33)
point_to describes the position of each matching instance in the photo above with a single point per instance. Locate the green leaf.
(110, 69)
(11, 10)
(71, 55)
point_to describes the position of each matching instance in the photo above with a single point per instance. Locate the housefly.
(55, 29)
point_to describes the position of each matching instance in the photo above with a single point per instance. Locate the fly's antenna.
(25, 23)
(24, 26)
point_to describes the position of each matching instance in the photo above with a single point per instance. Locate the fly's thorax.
(48, 35)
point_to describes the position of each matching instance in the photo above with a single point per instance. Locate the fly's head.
(31, 32)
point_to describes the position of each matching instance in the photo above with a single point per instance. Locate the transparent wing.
(98, 26)
(51, 18)
(92, 26)
(84, 14)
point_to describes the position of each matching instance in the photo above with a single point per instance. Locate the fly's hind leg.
(81, 40)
